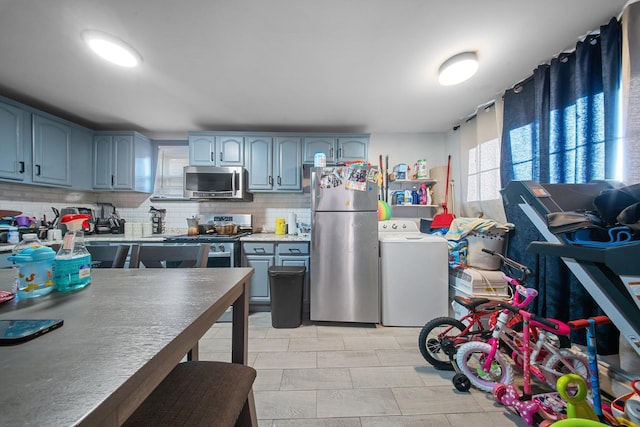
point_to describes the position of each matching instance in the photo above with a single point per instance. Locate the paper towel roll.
(291, 224)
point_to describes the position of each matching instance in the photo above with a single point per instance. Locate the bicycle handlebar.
(539, 319)
(583, 323)
(526, 271)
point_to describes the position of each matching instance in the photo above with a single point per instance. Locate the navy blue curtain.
(560, 126)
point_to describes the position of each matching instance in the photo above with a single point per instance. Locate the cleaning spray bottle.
(72, 268)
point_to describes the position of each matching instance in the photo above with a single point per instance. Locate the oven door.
(221, 255)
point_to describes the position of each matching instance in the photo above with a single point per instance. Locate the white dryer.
(413, 274)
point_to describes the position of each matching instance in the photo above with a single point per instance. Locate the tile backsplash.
(37, 201)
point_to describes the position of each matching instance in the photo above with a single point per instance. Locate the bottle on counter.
(34, 267)
(415, 199)
(72, 269)
(13, 237)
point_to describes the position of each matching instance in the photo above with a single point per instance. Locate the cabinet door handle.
(331, 153)
(295, 251)
(21, 167)
(279, 180)
(259, 250)
(270, 180)
(38, 170)
(113, 180)
(339, 152)
(213, 156)
(221, 156)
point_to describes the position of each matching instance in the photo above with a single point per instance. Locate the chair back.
(108, 256)
(169, 256)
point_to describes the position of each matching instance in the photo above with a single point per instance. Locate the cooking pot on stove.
(227, 228)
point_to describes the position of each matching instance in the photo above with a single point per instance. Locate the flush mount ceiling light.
(111, 48)
(458, 68)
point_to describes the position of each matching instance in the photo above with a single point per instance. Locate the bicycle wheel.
(470, 358)
(430, 339)
(575, 364)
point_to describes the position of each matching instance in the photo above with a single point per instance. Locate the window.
(169, 170)
(484, 172)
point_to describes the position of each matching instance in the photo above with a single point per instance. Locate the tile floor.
(345, 375)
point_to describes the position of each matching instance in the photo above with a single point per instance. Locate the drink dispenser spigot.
(72, 268)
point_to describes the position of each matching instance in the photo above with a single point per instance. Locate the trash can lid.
(286, 270)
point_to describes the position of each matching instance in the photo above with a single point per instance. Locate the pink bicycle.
(540, 351)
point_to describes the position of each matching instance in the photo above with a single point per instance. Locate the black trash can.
(285, 286)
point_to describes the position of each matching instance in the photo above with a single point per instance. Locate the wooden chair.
(175, 256)
(108, 256)
(198, 393)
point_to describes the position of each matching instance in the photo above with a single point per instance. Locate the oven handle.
(213, 254)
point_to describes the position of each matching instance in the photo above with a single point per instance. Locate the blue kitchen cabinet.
(273, 163)
(81, 158)
(41, 149)
(259, 256)
(211, 149)
(122, 161)
(337, 148)
(326, 145)
(51, 151)
(16, 148)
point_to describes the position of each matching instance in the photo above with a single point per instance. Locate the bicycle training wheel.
(431, 337)
(470, 358)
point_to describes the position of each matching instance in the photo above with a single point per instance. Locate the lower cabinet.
(261, 256)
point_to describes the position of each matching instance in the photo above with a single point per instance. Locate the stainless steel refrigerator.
(344, 245)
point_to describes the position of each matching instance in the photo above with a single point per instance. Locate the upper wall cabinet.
(14, 134)
(208, 149)
(122, 161)
(337, 148)
(274, 163)
(51, 151)
(38, 148)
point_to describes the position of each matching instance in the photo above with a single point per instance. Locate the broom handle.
(446, 191)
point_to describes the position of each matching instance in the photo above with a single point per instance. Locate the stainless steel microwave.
(210, 182)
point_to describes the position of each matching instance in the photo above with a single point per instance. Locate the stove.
(225, 249)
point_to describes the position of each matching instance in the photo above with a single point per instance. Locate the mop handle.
(446, 191)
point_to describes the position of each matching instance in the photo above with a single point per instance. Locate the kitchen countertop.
(272, 237)
(256, 237)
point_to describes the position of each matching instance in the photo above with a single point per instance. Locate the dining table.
(121, 336)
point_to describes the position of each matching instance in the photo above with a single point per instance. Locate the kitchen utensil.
(56, 219)
(23, 220)
(192, 224)
(227, 229)
(444, 219)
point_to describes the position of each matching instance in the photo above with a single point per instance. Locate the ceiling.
(280, 65)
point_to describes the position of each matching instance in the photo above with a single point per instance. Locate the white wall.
(408, 148)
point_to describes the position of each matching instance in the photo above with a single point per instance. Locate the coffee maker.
(109, 221)
(157, 219)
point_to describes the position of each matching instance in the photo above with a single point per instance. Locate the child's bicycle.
(440, 334)
(538, 349)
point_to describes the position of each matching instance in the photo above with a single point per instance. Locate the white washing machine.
(413, 274)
